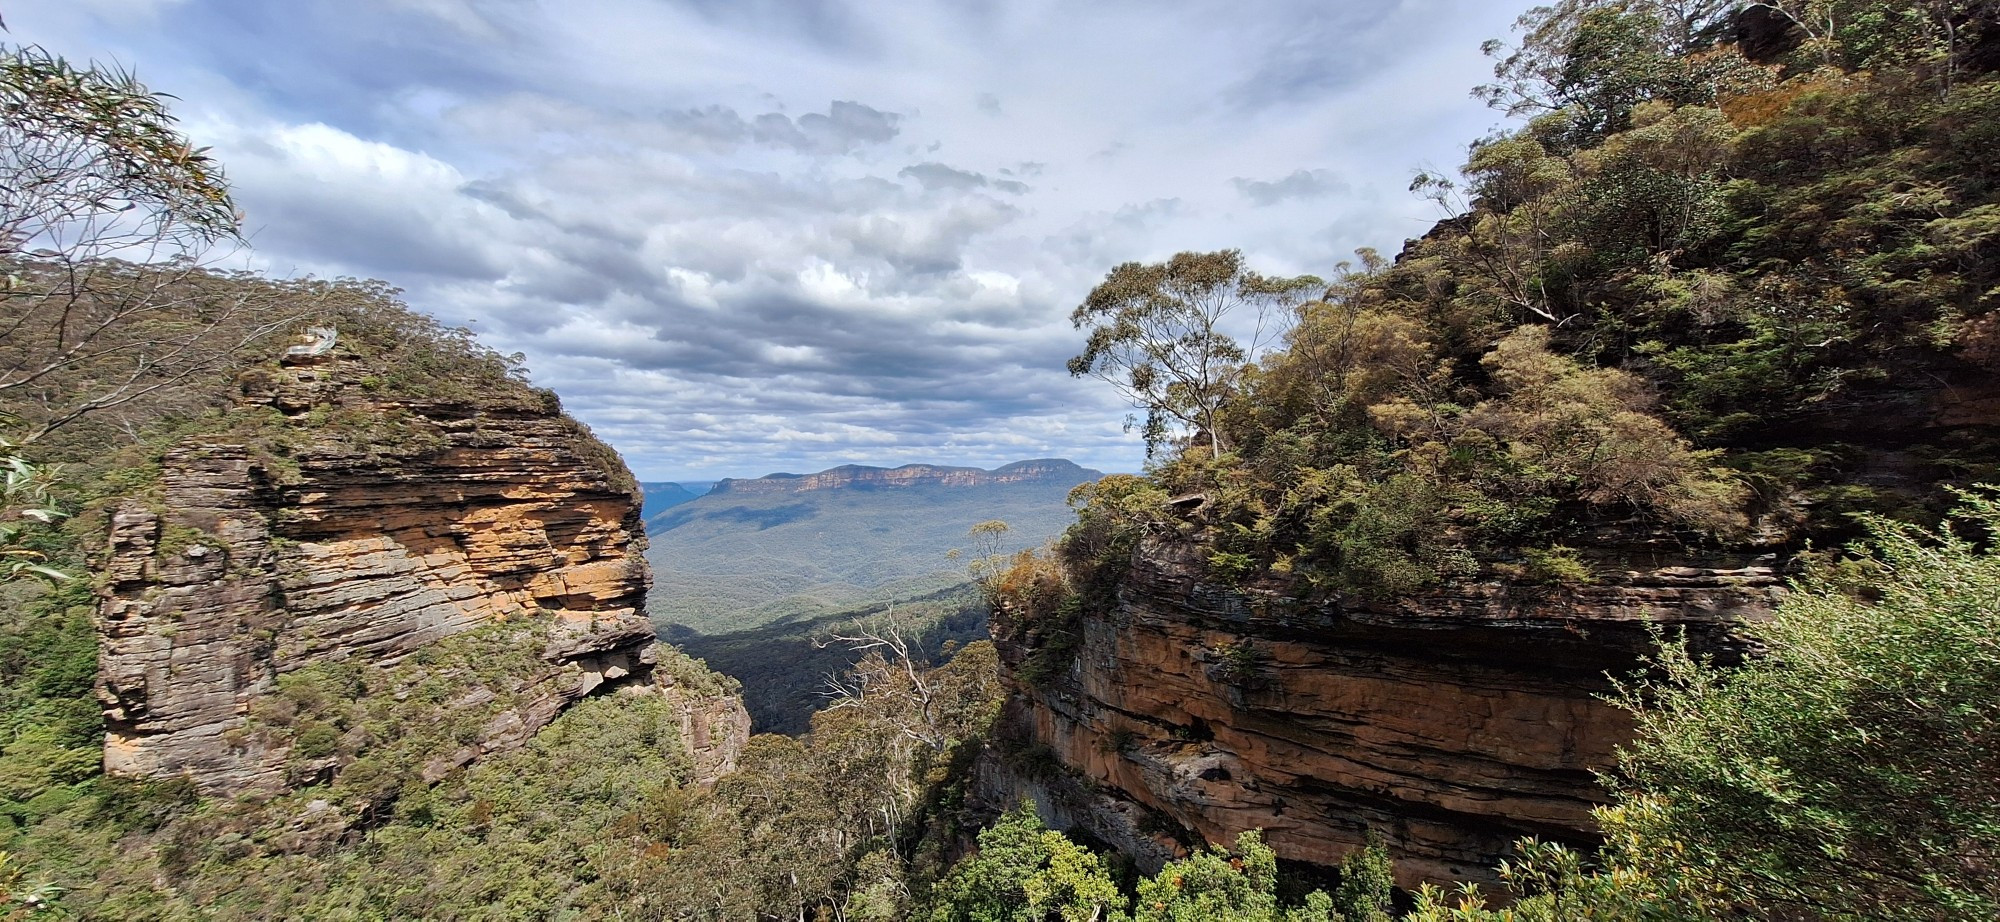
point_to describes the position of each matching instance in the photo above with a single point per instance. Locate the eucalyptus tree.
(107, 212)
(1157, 333)
(25, 499)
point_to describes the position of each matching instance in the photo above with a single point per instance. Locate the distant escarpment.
(851, 476)
(334, 523)
(793, 548)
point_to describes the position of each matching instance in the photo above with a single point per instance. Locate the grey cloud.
(855, 356)
(938, 176)
(390, 244)
(1296, 66)
(392, 234)
(1148, 213)
(698, 234)
(502, 198)
(823, 22)
(1107, 238)
(1299, 184)
(776, 129)
(848, 125)
(720, 125)
(845, 127)
(928, 245)
(934, 176)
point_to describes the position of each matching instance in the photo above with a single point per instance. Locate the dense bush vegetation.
(598, 817)
(1845, 774)
(1024, 872)
(1847, 770)
(1660, 299)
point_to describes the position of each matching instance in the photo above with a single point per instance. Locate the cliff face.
(1450, 723)
(909, 475)
(384, 526)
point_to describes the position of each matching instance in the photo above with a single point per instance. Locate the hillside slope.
(785, 665)
(752, 551)
(660, 497)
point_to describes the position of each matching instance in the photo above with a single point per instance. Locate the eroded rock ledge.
(384, 526)
(1451, 723)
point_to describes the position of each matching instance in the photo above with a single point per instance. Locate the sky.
(747, 236)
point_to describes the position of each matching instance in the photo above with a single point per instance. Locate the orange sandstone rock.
(241, 572)
(1451, 723)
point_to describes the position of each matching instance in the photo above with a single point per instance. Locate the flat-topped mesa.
(333, 522)
(1450, 722)
(909, 475)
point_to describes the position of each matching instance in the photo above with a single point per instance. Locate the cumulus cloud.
(937, 176)
(750, 236)
(845, 126)
(1297, 185)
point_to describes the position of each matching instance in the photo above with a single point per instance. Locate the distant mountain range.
(862, 477)
(661, 497)
(753, 551)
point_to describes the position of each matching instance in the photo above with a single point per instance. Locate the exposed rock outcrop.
(714, 728)
(1451, 722)
(381, 527)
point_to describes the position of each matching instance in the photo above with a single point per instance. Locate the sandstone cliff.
(1451, 723)
(338, 523)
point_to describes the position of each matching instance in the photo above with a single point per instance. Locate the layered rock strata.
(1450, 723)
(385, 526)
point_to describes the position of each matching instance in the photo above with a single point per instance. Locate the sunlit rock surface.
(244, 568)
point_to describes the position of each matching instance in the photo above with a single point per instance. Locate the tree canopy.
(1159, 333)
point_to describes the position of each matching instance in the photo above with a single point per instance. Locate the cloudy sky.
(743, 236)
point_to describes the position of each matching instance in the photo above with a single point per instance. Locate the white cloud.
(740, 237)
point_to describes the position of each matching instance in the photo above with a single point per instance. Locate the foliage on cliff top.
(113, 315)
(1659, 298)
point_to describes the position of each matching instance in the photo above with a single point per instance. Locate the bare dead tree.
(892, 675)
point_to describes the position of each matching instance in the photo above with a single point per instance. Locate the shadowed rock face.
(1451, 723)
(461, 516)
